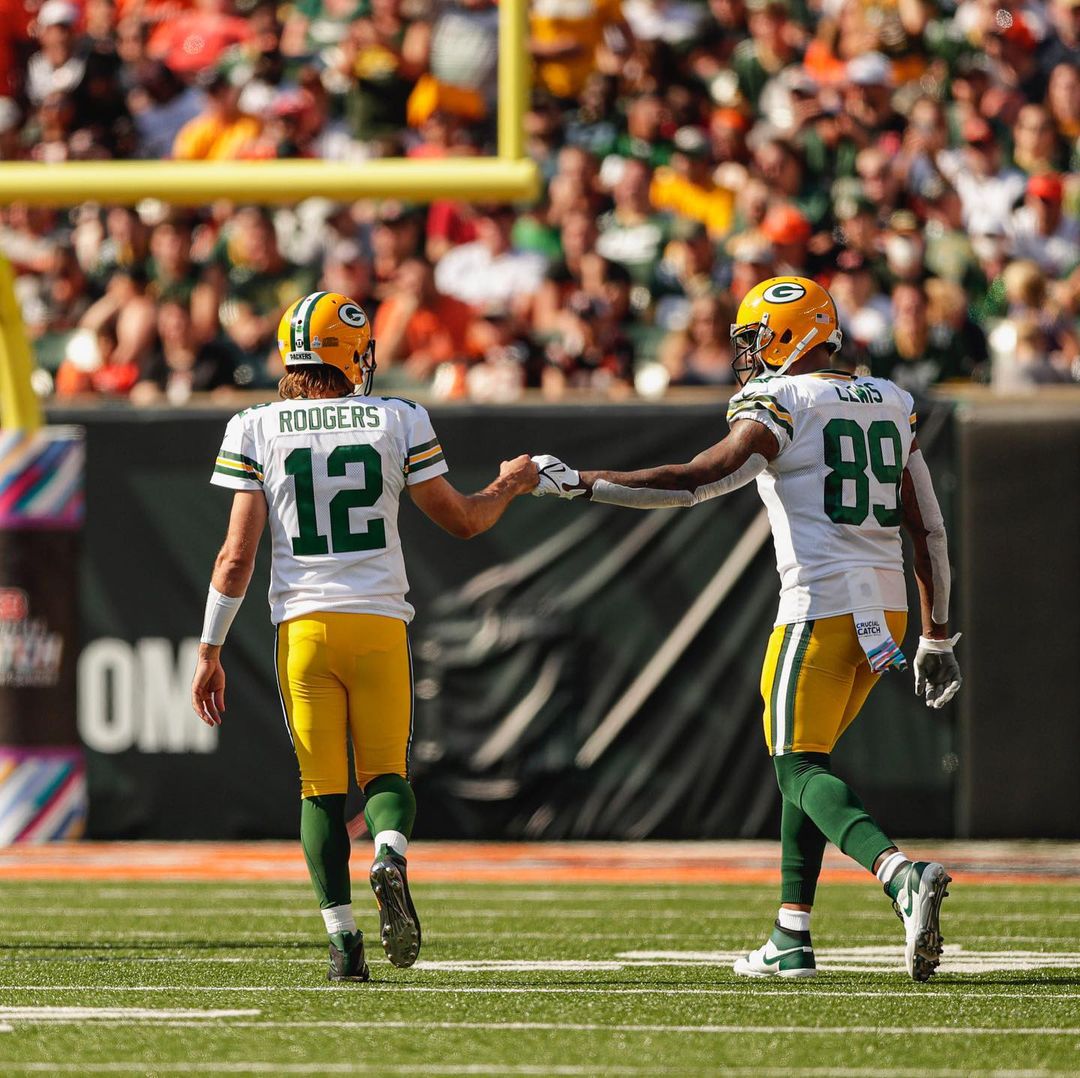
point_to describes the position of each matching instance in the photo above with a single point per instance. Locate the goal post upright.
(509, 176)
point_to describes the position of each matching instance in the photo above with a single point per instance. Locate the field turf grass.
(167, 977)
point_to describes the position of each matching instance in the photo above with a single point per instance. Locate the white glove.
(937, 674)
(556, 478)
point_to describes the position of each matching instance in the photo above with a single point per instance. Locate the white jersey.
(833, 491)
(332, 471)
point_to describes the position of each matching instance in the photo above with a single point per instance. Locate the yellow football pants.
(815, 680)
(345, 677)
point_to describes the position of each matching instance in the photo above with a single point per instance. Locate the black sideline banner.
(581, 671)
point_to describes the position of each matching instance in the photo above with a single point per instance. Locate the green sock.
(390, 806)
(806, 779)
(326, 848)
(802, 846)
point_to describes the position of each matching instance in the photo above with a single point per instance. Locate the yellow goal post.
(509, 176)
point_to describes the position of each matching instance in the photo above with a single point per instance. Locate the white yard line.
(135, 1014)
(312, 1068)
(254, 1067)
(882, 958)
(642, 1028)
(944, 993)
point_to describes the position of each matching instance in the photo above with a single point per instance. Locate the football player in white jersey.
(327, 466)
(838, 467)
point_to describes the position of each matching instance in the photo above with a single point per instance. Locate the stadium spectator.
(880, 181)
(590, 348)
(91, 366)
(57, 67)
(1063, 103)
(382, 56)
(772, 45)
(1041, 231)
(565, 36)
(788, 232)
(161, 104)
(865, 312)
(685, 187)
(116, 241)
(753, 262)
(1027, 296)
(689, 270)
(632, 233)
(988, 189)
(577, 238)
(464, 48)
(504, 358)
(395, 237)
(245, 284)
(316, 25)
(700, 354)
(915, 354)
(417, 326)
(179, 364)
(489, 270)
(127, 313)
(646, 138)
(10, 119)
(1035, 143)
(196, 39)
(54, 299)
(868, 98)
(347, 272)
(221, 130)
(171, 272)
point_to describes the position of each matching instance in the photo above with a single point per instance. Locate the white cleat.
(785, 954)
(917, 901)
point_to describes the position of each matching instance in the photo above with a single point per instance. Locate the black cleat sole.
(929, 942)
(399, 926)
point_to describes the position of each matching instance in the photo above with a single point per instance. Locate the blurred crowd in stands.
(921, 158)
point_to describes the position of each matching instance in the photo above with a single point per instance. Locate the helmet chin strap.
(363, 389)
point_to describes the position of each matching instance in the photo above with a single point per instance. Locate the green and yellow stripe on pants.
(815, 680)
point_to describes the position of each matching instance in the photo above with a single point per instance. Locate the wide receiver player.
(327, 466)
(838, 467)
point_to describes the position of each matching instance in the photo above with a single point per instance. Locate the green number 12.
(866, 448)
(343, 539)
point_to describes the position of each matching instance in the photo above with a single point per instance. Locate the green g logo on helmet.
(352, 315)
(784, 292)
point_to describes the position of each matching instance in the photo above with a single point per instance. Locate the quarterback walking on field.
(327, 466)
(838, 466)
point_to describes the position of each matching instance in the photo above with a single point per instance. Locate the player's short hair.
(303, 382)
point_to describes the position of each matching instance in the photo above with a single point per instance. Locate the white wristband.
(220, 611)
(946, 645)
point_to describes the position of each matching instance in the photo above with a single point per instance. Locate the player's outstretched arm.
(232, 574)
(466, 515)
(724, 467)
(937, 673)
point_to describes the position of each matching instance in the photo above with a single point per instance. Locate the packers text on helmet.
(327, 329)
(779, 321)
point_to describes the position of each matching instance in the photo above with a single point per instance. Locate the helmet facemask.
(366, 364)
(750, 340)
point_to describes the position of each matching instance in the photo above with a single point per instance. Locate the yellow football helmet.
(329, 329)
(778, 322)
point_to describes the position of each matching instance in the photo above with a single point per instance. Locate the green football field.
(103, 977)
